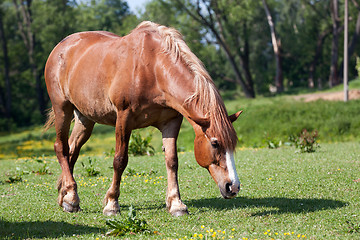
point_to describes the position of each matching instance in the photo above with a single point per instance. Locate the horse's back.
(101, 73)
(79, 70)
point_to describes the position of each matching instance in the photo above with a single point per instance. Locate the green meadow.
(284, 194)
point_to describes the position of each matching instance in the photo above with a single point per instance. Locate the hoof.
(70, 208)
(112, 208)
(110, 213)
(180, 213)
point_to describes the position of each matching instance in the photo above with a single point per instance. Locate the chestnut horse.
(147, 78)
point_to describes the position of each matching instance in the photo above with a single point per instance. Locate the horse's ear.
(202, 122)
(235, 116)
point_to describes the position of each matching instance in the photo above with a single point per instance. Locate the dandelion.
(202, 226)
(195, 235)
(233, 229)
(201, 236)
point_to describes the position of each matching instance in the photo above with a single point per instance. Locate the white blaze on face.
(230, 163)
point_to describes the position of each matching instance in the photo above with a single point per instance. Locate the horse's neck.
(180, 102)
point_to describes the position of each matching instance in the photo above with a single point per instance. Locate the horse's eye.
(215, 143)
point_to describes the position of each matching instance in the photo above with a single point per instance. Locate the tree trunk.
(24, 24)
(355, 36)
(354, 39)
(318, 51)
(8, 100)
(276, 46)
(333, 78)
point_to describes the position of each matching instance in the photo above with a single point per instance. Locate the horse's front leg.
(120, 162)
(170, 133)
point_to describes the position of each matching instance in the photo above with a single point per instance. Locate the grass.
(284, 195)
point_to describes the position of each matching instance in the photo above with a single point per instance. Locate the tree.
(355, 37)
(7, 100)
(356, 34)
(227, 23)
(24, 22)
(107, 15)
(276, 46)
(334, 78)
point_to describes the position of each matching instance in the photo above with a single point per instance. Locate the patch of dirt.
(331, 96)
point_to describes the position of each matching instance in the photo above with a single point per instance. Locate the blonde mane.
(206, 97)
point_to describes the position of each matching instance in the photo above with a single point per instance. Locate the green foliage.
(131, 225)
(357, 67)
(17, 176)
(272, 142)
(90, 168)
(133, 172)
(298, 25)
(140, 146)
(44, 168)
(306, 141)
(282, 117)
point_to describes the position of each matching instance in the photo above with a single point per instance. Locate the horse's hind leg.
(68, 197)
(80, 134)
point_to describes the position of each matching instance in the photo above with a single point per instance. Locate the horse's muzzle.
(229, 190)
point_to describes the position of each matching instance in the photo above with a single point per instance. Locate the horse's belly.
(95, 105)
(98, 114)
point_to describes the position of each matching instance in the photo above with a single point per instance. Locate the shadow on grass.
(278, 205)
(46, 229)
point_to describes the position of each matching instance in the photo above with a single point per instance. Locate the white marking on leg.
(230, 163)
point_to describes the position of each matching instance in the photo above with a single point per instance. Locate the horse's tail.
(50, 122)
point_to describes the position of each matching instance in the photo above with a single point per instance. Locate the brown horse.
(147, 78)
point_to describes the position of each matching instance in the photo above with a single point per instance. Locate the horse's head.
(218, 159)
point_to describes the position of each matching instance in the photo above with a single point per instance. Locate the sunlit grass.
(284, 195)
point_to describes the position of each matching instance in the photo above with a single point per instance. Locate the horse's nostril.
(228, 187)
